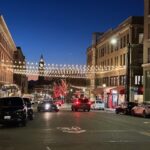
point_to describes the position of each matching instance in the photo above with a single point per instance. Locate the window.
(108, 49)
(127, 38)
(148, 55)
(124, 41)
(124, 59)
(121, 43)
(148, 31)
(138, 80)
(148, 7)
(120, 60)
(122, 80)
(111, 48)
(111, 61)
(108, 62)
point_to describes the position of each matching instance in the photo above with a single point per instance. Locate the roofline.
(7, 32)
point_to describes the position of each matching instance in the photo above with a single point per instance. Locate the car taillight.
(77, 103)
(89, 103)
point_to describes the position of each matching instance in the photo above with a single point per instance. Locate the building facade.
(20, 79)
(7, 48)
(146, 53)
(110, 60)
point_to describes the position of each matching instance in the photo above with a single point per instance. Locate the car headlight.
(47, 106)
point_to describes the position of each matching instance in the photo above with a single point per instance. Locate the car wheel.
(144, 114)
(31, 117)
(132, 113)
(24, 122)
(76, 109)
(57, 110)
(72, 109)
(117, 112)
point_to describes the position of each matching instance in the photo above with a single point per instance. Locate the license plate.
(7, 117)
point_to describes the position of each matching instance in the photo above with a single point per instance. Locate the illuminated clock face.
(41, 65)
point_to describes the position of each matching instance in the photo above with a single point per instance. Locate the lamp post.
(104, 95)
(127, 85)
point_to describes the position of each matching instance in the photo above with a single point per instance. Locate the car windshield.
(99, 102)
(83, 100)
(15, 101)
(27, 100)
(45, 102)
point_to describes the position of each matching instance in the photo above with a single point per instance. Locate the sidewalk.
(110, 110)
(66, 106)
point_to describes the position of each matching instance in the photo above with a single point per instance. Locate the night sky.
(62, 30)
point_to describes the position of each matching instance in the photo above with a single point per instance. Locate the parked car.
(81, 104)
(98, 104)
(47, 106)
(29, 107)
(125, 108)
(13, 109)
(142, 109)
(59, 102)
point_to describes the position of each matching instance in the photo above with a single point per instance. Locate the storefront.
(115, 96)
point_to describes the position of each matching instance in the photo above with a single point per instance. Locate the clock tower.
(41, 69)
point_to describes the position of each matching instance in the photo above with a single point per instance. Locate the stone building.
(110, 61)
(7, 48)
(20, 79)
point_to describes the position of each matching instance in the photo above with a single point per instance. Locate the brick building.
(7, 48)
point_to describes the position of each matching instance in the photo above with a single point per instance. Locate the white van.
(98, 104)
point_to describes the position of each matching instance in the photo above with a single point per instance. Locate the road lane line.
(48, 148)
(145, 133)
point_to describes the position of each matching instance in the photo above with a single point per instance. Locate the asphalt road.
(66, 130)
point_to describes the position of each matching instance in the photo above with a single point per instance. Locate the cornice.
(7, 33)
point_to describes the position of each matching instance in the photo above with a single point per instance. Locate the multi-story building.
(146, 53)
(110, 60)
(7, 48)
(20, 79)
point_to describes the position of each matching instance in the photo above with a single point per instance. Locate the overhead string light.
(66, 70)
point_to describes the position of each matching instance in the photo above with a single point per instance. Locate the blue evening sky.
(62, 30)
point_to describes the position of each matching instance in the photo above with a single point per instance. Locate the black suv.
(13, 109)
(29, 107)
(81, 104)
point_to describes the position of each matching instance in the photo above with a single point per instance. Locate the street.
(66, 130)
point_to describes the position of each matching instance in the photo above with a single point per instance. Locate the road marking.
(146, 122)
(120, 141)
(145, 133)
(48, 148)
(72, 129)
